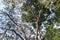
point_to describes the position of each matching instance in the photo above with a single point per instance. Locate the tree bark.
(36, 30)
(37, 20)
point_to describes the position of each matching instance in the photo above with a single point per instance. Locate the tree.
(38, 14)
(35, 12)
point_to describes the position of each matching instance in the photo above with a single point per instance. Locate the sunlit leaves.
(10, 3)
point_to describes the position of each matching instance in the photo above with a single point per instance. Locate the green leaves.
(52, 34)
(32, 7)
(33, 12)
(57, 10)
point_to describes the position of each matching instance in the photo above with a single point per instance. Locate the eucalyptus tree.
(39, 12)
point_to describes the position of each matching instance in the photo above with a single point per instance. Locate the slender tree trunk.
(37, 20)
(36, 30)
(39, 37)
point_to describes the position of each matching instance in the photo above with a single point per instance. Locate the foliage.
(52, 34)
(38, 12)
(57, 10)
(33, 7)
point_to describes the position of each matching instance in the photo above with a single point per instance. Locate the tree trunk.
(37, 20)
(37, 35)
(36, 30)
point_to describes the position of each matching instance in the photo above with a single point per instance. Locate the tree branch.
(14, 32)
(17, 26)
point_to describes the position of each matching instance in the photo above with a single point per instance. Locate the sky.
(2, 6)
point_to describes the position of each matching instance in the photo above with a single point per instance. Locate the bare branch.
(17, 26)
(14, 32)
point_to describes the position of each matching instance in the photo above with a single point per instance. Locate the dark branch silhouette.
(13, 22)
(14, 32)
